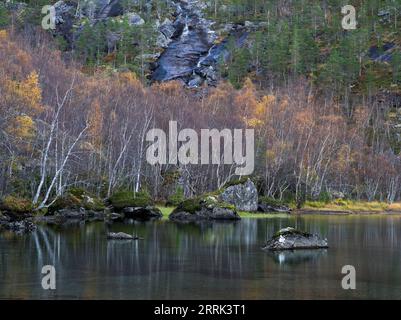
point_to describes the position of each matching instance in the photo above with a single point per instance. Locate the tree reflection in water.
(204, 260)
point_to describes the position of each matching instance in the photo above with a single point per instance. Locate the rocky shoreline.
(79, 206)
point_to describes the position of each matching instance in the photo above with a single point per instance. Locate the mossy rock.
(124, 199)
(75, 199)
(190, 205)
(17, 205)
(194, 205)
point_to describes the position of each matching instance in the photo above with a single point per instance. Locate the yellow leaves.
(22, 127)
(253, 122)
(3, 35)
(130, 79)
(264, 104)
(254, 109)
(30, 91)
(26, 95)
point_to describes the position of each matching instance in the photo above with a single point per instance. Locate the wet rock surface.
(192, 54)
(191, 38)
(291, 239)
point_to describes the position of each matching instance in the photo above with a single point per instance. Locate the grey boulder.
(291, 239)
(243, 196)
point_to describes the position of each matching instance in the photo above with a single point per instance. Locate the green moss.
(16, 205)
(176, 198)
(207, 200)
(77, 192)
(236, 182)
(123, 199)
(288, 231)
(189, 205)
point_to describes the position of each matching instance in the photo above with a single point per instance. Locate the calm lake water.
(205, 261)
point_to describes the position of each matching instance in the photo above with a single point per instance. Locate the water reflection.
(293, 257)
(204, 260)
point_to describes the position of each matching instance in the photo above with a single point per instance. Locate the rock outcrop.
(291, 239)
(136, 206)
(244, 196)
(142, 213)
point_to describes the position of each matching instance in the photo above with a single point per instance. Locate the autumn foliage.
(305, 147)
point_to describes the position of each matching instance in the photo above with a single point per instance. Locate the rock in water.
(203, 208)
(120, 236)
(142, 213)
(290, 239)
(243, 196)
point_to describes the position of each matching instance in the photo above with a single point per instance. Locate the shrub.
(271, 201)
(16, 205)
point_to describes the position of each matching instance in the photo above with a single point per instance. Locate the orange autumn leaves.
(21, 94)
(254, 108)
(24, 102)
